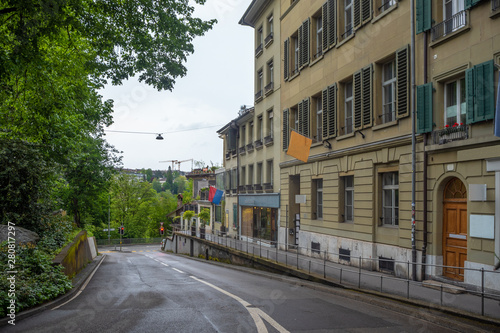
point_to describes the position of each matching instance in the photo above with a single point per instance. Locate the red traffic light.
(122, 230)
(162, 230)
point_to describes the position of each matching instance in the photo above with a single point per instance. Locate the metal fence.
(125, 241)
(362, 273)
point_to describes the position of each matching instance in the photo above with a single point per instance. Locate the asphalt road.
(144, 290)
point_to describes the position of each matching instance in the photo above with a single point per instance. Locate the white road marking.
(83, 286)
(178, 270)
(256, 313)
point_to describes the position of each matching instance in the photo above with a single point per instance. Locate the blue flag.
(217, 197)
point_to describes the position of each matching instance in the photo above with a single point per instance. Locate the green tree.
(204, 216)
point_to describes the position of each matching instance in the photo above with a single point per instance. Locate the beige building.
(346, 84)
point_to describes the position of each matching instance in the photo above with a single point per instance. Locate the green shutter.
(424, 15)
(470, 3)
(469, 97)
(286, 61)
(332, 110)
(403, 82)
(424, 108)
(367, 96)
(286, 128)
(232, 139)
(357, 99)
(235, 215)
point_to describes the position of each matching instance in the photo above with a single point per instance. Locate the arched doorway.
(454, 229)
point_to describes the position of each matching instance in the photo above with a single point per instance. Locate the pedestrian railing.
(125, 241)
(374, 274)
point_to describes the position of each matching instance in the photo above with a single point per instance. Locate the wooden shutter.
(357, 96)
(403, 81)
(324, 99)
(286, 128)
(326, 19)
(299, 40)
(232, 139)
(366, 10)
(332, 110)
(286, 60)
(306, 124)
(424, 108)
(470, 3)
(304, 46)
(367, 96)
(357, 14)
(332, 22)
(469, 95)
(300, 115)
(424, 15)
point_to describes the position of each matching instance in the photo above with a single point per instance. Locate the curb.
(77, 282)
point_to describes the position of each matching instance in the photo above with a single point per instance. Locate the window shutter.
(357, 13)
(332, 22)
(305, 117)
(232, 139)
(324, 98)
(299, 38)
(366, 10)
(403, 82)
(470, 3)
(300, 114)
(424, 108)
(424, 15)
(357, 95)
(484, 86)
(469, 97)
(326, 18)
(332, 110)
(286, 61)
(367, 96)
(304, 47)
(286, 128)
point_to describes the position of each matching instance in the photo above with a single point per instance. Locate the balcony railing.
(267, 186)
(348, 128)
(386, 4)
(228, 155)
(242, 150)
(249, 188)
(258, 144)
(347, 33)
(495, 5)
(258, 187)
(250, 147)
(241, 188)
(259, 50)
(258, 95)
(269, 88)
(269, 39)
(388, 115)
(450, 134)
(450, 25)
(268, 140)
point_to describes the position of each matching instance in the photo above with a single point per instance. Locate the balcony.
(228, 155)
(250, 147)
(268, 187)
(258, 144)
(269, 88)
(454, 23)
(249, 188)
(268, 140)
(259, 50)
(241, 189)
(450, 134)
(242, 150)
(269, 39)
(258, 96)
(258, 187)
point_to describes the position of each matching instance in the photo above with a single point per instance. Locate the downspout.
(424, 246)
(413, 164)
(238, 229)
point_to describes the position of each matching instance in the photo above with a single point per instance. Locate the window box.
(259, 50)
(449, 134)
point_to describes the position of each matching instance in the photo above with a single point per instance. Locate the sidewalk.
(445, 296)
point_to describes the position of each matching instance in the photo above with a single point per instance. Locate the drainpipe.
(424, 246)
(238, 229)
(413, 153)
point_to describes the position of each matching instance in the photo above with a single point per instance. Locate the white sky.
(219, 80)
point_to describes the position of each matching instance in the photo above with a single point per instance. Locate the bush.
(37, 279)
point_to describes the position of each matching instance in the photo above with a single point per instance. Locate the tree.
(204, 216)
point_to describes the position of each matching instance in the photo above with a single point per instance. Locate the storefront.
(259, 216)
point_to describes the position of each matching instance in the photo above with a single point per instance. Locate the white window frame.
(348, 108)
(319, 35)
(348, 190)
(348, 16)
(319, 119)
(393, 206)
(389, 84)
(319, 198)
(460, 105)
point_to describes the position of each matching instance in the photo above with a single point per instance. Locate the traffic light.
(162, 230)
(122, 230)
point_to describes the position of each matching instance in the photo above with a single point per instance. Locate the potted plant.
(188, 215)
(204, 216)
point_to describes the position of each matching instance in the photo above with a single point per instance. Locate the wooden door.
(454, 229)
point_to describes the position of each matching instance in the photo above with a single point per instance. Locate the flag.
(214, 195)
(299, 146)
(497, 112)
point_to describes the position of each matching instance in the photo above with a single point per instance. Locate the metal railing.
(495, 5)
(128, 241)
(367, 274)
(450, 25)
(450, 134)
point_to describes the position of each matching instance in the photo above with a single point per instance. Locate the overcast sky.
(219, 80)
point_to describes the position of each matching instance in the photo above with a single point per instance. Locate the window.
(317, 199)
(385, 5)
(348, 18)
(295, 115)
(259, 128)
(389, 92)
(455, 107)
(260, 85)
(348, 110)
(242, 137)
(296, 54)
(260, 171)
(329, 96)
(270, 30)
(270, 77)
(318, 41)
(348, 183)
(270, 122)
(452, 12)
(390, 198)
(218, 213)
(259, 39)
(243, 176)
(269, 172)
(319, 118)
(250, 132)
(250, 174)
